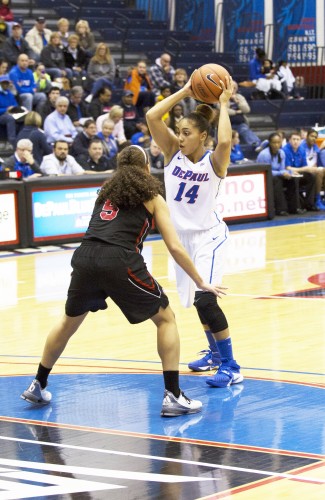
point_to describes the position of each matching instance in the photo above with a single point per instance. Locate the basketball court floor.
(102, 437)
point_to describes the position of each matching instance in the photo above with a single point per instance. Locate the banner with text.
(243, 27)
(295, 31)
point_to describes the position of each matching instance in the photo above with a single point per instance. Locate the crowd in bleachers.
(64, 110)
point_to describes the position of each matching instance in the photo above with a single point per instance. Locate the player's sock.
(42, 375)
(225, 349)
(171, 379)
(212, 341)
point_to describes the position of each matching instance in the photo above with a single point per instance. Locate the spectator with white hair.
(58, 125)
(110, 145)
(116, 114)
(23, 160)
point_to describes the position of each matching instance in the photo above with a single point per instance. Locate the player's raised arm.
(162, 135)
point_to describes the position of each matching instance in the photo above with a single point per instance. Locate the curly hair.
(131, 184)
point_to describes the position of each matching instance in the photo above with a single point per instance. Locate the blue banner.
(243, 27)
(59, 212)
(295, 31)
(197, 17)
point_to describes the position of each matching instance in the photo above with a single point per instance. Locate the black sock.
(171, 379)
(42, 375)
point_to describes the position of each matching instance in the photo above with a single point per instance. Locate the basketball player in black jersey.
(109, 263)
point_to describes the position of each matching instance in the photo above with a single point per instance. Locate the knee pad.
(210, 312)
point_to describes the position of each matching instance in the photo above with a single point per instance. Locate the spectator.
(15, 46)
(322, 154)
(82, 140)
(138, 82)
(94, 160)
(32, 130)
(236, 153)
(115, 114)
(106, 136)
(161, 73)
(6, 13)
(180, 78)
(130, 114)
(86, 37)
(38, 36)
(100, 103)
(57, 125)
(210, 143)
(238, 108)
(176, 114)
(49, 105)
(312, 152)
(60, 162)
(23, 160)
(288, 81)
(3, 67)
(296, 162)
(165, 91)
(101, 68)
(53, 58)
(63, 30)
(23, 79)
(256, 65)
(156, 158)
(75, 57)
(42, 79)
(285, 184)
(77, 110)
(7, 104)
(143, 137)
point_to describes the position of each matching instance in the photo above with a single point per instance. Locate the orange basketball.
(205, 82)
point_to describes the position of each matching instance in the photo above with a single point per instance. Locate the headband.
(142, 151)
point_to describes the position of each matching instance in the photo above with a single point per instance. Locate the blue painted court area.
(267, 414)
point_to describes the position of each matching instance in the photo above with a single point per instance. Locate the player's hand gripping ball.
(205, 82)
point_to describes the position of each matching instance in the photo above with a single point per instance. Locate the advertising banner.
(294, 31)
(243, 27)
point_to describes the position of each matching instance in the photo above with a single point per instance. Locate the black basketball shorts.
(101, 271)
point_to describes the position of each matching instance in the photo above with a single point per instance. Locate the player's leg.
(229, 371)
(54, 346)
(175, 402)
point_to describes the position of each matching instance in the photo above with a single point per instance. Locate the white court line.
(174, 460)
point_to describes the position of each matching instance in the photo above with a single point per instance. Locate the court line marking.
(115, 360)
(142, 435)
(167, 459)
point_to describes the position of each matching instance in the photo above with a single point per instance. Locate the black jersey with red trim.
(127, 228)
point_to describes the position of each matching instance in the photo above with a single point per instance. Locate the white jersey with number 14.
(192, 190)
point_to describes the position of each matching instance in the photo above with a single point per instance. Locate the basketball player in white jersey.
(193, 179)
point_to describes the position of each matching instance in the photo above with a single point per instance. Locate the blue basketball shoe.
(210, 361)
(227, 374)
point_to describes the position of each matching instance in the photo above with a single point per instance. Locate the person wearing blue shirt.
(23, 160)
(58, 125)
(312, 152)
(285, 184)
(7, 103)
(236, 153)
(256, 65)
(296, 162)
(23, 79)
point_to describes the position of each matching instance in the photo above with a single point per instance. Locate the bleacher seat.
(144, 34)
(301, 119)
(114, 4)
(97, 12)
(191, 46)
(144, 46)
